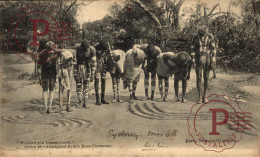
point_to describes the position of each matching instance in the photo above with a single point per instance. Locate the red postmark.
(35, 23)
(217, 125)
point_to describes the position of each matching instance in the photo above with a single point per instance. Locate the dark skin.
(184, 86)
(207, 54)
(61, 90)
(115, 76)
(182, 66)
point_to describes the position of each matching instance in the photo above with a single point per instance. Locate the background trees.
(168, 23)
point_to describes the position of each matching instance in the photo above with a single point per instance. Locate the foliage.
(9, 10)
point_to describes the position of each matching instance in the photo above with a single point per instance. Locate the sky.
(97, 9)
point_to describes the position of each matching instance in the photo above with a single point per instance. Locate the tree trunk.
(153, 17)
(176, 10)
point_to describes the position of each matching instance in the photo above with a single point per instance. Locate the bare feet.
(176, 99)
(44, 110)
(146, 98)
(131, 101)
(49, 110)
(205, 100)
(68, 109)
(104, 102)
(114, 100)
(85, 106)
(98, 103)
(161, 99)
(135, 98)
(119, 100)
(199, 101)
(184, 100)
(60, 109)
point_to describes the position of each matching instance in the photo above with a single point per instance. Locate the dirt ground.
(22, 120)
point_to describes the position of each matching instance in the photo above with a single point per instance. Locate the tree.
(152, 16)
(173, 10)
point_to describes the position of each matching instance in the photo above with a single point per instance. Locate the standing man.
(47, 73)
(101, 71)
(204, 58)
(84, 70)
(151, 52)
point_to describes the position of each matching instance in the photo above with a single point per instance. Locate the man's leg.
(97, 88)
(166, 88)
(146, 84)
(184, 86)
(134, 89)
(118, 90)
(198, 77)
(45, 85)
(79, 90)
(103, 87)
(50, 101)
(70, 70)
(69, 101)
(153, 84)
(45, 100)
(206, 83)
(113, 76)
(176, 89)
(130, 87)
(52, 82)
(85, 91)
(60, 95)
(160, 80)
(214, 71)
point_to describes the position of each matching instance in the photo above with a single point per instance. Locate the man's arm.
(193, 47)
(39, 65)
(212, 45)
(93, 60)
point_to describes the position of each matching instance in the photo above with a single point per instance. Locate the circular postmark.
(32, 25)
(218, 124)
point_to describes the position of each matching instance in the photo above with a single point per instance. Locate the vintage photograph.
(130, 78)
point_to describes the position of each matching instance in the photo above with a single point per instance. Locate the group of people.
(91, 63)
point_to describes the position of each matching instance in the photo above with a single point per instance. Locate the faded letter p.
(35, 33)
(214, 120)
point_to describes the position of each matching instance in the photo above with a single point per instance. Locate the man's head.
(183, 58)
(150, 51)
(202, 31)
(50, 45)
(85, 44)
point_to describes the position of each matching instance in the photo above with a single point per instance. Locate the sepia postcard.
(130, 78)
